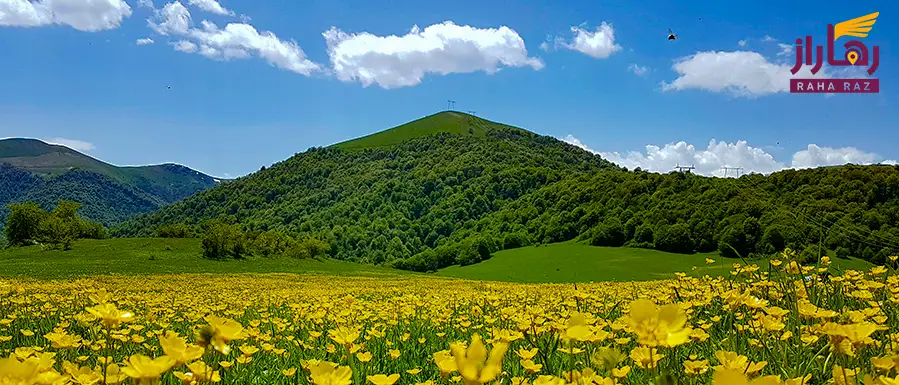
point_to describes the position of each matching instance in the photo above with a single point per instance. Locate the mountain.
(32, 170)
(452, 188)
(390, 189)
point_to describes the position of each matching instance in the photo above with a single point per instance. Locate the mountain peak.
(28, 147)
(453, 122)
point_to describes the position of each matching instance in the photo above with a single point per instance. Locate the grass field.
(155, 256)
(577, 262)
(555, 263)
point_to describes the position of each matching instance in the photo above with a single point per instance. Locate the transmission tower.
(739, 170)
(450, 105)
(682, 168)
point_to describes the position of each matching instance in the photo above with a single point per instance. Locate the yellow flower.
(219, 332)
(526, 354)
(735, 377)
(146, 370)
(86, 376)
(843, 376)
(327, 373)
(741, 363)
(645, 357)
(203, 373)
(414, 371)
(696, 367)
(178, 349)
(621, 372)
(445, 362)
(363, 356)
(577, 329)
(530, 367)
(654, 326)
(110, 315)
(344, 336)
(473, 363)
(382, 379)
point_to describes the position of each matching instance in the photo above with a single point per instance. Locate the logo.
(855, 54)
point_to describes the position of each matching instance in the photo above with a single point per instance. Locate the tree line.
(27, 224)
(221, 240)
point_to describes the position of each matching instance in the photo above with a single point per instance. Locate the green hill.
(31, 170)
(453, 189)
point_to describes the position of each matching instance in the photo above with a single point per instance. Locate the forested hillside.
(31, 170)
(456, 194)
(852, 210)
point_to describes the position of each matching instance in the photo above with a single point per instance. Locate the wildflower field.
(784, 324)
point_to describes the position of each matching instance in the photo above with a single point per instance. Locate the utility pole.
(450, 105)
(682, 168)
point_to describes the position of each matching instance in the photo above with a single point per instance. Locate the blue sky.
(241, 98)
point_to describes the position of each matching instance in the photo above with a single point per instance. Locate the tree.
(57, 232)
(308, 247)
(222, 240)
(23, 223)
(675, 239)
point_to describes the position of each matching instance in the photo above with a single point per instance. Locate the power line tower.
(739, 170)
(473, 113)
(450, 105)
(682, 168)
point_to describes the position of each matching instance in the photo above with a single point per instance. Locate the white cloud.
(815, 156)
(717, 155)
(742, 73)
(211, 6)
(144, 41)
(146, 4)
(638, 70)
(174, 19)
(446, 48)
(768, 38)
(77, 145)
(83, 15)
(234, 41)
(599, 43)
(785, 49)
(185, 46)
(742, 43)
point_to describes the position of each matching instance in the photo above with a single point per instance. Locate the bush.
(308, 247)
(91, 230)
(174, 230)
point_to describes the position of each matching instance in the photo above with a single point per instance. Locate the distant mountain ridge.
(32, 170)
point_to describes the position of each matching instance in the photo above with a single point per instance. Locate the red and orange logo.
(855, 54)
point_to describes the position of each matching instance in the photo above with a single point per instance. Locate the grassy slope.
(576, 262)
(451, 122)
(133, 256)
